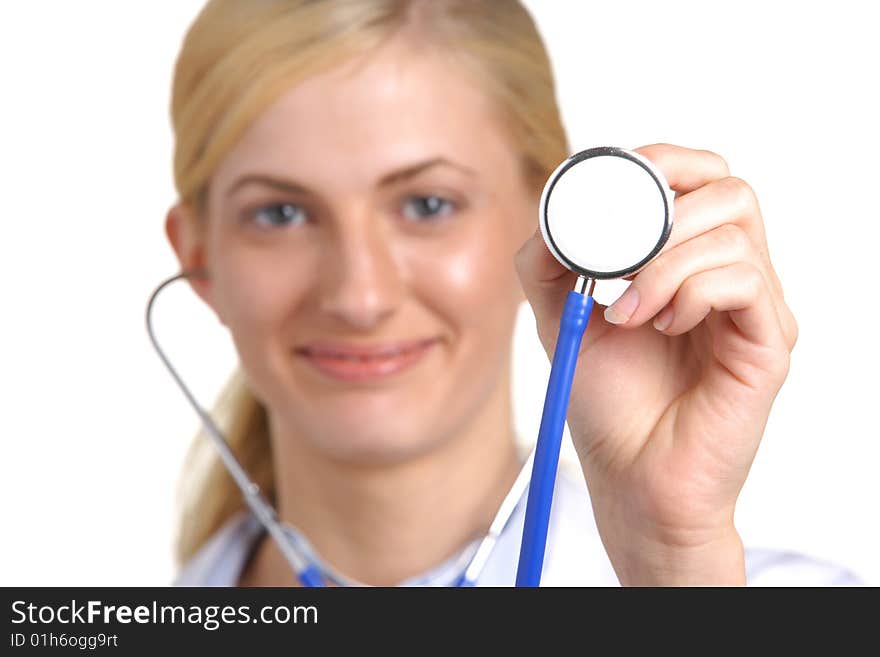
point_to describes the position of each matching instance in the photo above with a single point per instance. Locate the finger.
(688, 170)
(685, 169)
(737, 288)
(546, 283)
(656, 284)
(729, 200)
(536, 264)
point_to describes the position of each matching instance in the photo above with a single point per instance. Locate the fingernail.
(622, 309)
(664, 319)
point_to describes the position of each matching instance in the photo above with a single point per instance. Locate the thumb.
(546, 283)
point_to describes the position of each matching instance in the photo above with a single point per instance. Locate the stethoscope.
(602, 210)
(605, 213)
(470, 564)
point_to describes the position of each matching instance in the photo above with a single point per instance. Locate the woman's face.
(375, 203)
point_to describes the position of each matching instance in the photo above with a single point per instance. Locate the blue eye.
(279, 214)
(418, 207)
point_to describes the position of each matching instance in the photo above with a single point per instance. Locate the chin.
(372, 444)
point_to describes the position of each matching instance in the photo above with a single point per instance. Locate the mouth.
(352, 362)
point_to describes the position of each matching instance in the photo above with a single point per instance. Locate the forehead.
(379, 111)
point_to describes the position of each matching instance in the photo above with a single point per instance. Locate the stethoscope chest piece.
(605, 212)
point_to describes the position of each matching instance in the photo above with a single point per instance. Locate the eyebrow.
(392, 178)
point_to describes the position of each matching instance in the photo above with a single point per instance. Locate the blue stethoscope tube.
(572, 325)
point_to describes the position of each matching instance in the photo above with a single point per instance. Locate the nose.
(361, 280)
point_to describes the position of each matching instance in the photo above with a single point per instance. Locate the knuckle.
(719, 162)
(793, 330)
(693, 287)
(748, 275)
(657, 268)
(751, 277)
(734, 238)
(658, 276)
(519, 258)
(782, 366)
(740, 193)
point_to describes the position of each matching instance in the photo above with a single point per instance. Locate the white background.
(94, 429)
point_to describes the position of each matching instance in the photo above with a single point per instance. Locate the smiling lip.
(351, 362)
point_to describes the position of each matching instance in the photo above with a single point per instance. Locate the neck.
(382, 524)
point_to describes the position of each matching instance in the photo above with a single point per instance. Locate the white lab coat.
(574, 556)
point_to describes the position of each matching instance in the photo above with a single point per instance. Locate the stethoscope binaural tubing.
(308, 573)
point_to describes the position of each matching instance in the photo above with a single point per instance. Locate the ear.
(187, 240)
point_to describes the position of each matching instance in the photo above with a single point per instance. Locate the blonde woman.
(358, 184)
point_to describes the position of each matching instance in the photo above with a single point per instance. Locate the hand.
(666, 421)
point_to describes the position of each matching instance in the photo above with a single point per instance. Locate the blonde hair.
(236, 58)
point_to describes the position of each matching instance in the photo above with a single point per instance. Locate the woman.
(360, 177)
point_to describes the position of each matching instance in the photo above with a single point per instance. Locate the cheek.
(257, 292)
(253, 292)
(474, 279)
